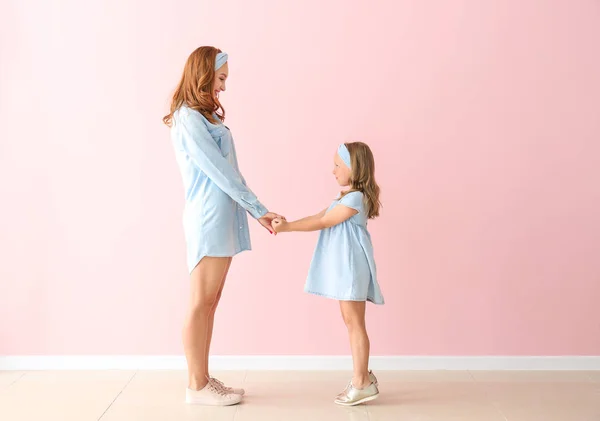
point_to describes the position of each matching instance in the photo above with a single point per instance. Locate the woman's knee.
(203, 304)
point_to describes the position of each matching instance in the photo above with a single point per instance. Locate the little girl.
(343, 267)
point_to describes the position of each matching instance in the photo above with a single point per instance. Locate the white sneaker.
(211, 395)
(234, 390)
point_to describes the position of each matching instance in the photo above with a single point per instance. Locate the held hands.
(267, 221)
(279, 224)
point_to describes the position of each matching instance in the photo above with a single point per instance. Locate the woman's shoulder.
(185, 112)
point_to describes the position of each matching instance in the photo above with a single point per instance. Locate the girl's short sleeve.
(353, 200)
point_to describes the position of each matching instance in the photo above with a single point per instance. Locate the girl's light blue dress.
(343, 266)
(216, 195)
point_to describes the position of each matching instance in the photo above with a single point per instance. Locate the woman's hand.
(279, 224)
(266, 221)
(273, 215)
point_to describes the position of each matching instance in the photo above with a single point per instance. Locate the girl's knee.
(354, 323)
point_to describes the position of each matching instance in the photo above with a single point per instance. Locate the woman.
(215, 220)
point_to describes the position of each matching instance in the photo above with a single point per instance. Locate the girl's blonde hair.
(362, 177)
(195, 88)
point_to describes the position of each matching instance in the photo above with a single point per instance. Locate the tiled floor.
(305, 396)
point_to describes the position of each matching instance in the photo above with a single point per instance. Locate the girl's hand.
(266, 221)
(279, 224)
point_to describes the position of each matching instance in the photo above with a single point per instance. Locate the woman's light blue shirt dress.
(216, 194)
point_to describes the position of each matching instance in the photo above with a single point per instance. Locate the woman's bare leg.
(211, 318)
(206, 281)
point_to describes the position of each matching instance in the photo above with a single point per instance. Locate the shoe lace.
(221, 384)
(216, 389)
(217, 381)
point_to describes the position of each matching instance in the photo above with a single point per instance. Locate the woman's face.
(221, 75)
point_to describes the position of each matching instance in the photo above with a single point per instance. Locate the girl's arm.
(313, 217)
(317, 222)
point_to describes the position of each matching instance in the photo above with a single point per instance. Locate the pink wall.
(483, 117)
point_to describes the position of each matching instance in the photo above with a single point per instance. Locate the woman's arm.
(205, 154)
(317, 222)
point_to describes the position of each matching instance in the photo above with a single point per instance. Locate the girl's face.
(220, 78)
(341, 172)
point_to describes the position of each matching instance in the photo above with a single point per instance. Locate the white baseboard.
(299, 362)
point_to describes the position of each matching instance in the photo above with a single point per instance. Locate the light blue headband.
(345, 155)
(220, 60)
